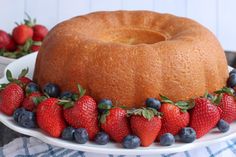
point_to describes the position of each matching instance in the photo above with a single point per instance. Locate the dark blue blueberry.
(131, 142)
(223, 126)
(17, 113)
(27, 119)
(104, 104)
(167, 139)
(102, 138)
(52, 90)
(81, 135)
(31, 87)
(66, 95)
(231, 82)
(210, 96)
(153, 103)
(68, 133)
(187, 135)
(233, 72)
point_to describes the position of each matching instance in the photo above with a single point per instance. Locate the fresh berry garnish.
(22, 33)
(146, 124)
(204, 116)
(104, 105)
(31, 87)
(27, 119)
(29, 103)
(153, 103)
(223, 126)
(131, 142)
(4, 40)
(175, 116)
(50, 117)
(68, 134)
(167, 139)
(17, 112)
(66, 95)
(81, 135)
(34, 48)
(22, 80)
(52, 90)
(10, 98)
(187, 135)
(115, 123)
(40, 32)
(82, 113)
(102, 138)
(231, 82)
(226, 102)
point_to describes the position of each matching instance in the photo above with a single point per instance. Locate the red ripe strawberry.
(11, 46)
(227, 104)
(22, 33)
(10, 98)
(204, 116)
(83, 114)
(173, 119)
(4, 39)
(50, 117)
(115, 123)
(25, 80)
(145, 125)
(34, 48)
(28, 102)
(40, 32)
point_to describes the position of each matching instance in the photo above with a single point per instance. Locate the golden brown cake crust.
(128, 56)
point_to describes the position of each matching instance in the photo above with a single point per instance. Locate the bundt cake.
(128, 56)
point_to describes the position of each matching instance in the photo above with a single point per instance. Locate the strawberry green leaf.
(24, 72)
(218, 99)
(227, 90)
(82, 91)
(147, 113)
(75, 97)
(9, 75)
(104, 106)
(37, 43)
(103, 116)
(38, 100)
(166, 99)
(2, 86)
(66, 103)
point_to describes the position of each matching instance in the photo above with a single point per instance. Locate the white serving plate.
(112, 148)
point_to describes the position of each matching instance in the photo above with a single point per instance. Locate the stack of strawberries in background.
(25, 38)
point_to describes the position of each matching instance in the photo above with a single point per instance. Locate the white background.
(217, 15)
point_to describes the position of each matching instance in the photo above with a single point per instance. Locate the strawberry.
(22, 33)
(204, 116)
(40, 32)
(11, 46)
(34, 48)
(115, 123)
(175, 116)
(82, 114)
(145, 125)
(50, 117)
(4, 39)
(24, 80)
(225, 100)
(10, 98)
(28, 102)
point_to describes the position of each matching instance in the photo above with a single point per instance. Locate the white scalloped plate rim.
(111, 148)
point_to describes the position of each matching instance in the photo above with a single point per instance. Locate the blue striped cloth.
(32, 147)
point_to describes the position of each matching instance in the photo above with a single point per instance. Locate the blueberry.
(102, 138)
(233, 72)
(52, 90)
(17, 113)
(153, 103)
(66, 95)
(187, 135)
(131, 142)
(222, 125)
(68, 133)
(27, 119)
(210, 96)
(231, 82)
(31, 87)
(81, 135)
(167, 139)
(104, 104)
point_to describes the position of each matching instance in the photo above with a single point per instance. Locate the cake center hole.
(133, 37)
